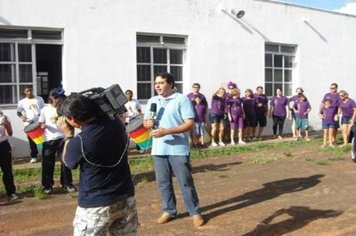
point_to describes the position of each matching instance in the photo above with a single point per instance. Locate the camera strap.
(99, 165)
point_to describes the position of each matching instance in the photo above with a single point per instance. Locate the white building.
(91, 43)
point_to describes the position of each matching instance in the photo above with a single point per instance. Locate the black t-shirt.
(97, 150)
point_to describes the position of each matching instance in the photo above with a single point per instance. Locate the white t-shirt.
(49, 117)
(132, 109)
(3, 135)
(31, 108)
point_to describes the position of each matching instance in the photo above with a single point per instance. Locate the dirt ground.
(306, 191)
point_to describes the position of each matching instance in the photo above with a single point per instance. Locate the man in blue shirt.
(106, 202)
(170, 147)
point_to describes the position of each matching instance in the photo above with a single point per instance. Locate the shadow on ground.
(269, 191)
(150, 176)
(298, 217)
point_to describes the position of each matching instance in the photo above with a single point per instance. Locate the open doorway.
(49, 68)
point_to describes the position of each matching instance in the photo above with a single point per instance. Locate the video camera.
(111, 101)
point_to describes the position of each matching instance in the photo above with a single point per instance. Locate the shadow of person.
(150, 176)
(298, 217)
(269, 191)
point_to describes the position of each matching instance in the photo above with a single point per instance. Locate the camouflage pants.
(120, 218)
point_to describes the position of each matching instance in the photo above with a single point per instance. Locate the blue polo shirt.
(171, 112)
(101, 182)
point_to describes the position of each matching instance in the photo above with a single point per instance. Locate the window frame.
(16, 41)
(276, 49)
(167, 47)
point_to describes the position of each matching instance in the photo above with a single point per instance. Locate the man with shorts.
(106, 202)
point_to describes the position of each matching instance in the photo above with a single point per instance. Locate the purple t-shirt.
(234, 106)
(218, 106)
(191, 96)
(262, 104)
(328, 115)
(334, 97)
(249, 106)
(302, 107)
(294, 99)
(200, 111)
(347, 108)
(279, 105)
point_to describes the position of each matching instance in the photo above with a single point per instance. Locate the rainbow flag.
(37, 135)
(141, 137)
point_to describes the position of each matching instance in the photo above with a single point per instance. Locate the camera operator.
(106, 202)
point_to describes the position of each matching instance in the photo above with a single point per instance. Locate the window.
(18, 60)
(279, 65)
(157, 53)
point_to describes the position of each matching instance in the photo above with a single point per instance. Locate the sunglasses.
(342, 95)
(196, 87)
(332, 87)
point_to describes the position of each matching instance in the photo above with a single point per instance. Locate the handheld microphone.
(153, 113)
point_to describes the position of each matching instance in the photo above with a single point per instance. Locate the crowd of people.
(247, 116)
(100, 149)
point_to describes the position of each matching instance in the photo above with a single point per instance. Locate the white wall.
(100, 42)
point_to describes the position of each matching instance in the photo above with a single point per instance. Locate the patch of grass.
(38, 193)
(262, 160)
(321, 162)
(288, 154)
(336, 158)
(308, 159)
(220, 175)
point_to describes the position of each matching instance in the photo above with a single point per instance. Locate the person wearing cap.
(230, 85)
(6, 157)
(28, 109)
(53, 145)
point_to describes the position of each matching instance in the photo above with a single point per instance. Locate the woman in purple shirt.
(250, 105)
(218, 114)
(347, 108)
(236, 115)
(278, 112)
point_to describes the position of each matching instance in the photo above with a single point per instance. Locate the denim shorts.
(217, 118)
(328, 126)
(346, 120)
(199, 128)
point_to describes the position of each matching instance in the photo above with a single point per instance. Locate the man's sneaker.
(13, 197)
(69, 188)
(242, 142)
(141, 151)
(221, 144)
(48, 190)
(198, 220)
(213, 144)
(353, 152)
(33, 160)
(164, 218)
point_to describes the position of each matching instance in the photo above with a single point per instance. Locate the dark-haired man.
(170, 147)
(334, 96)
(29, 109)
(106, 202)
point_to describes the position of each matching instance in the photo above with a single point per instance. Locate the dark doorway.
(49, 68)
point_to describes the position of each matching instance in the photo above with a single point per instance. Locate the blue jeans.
(179, 166)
